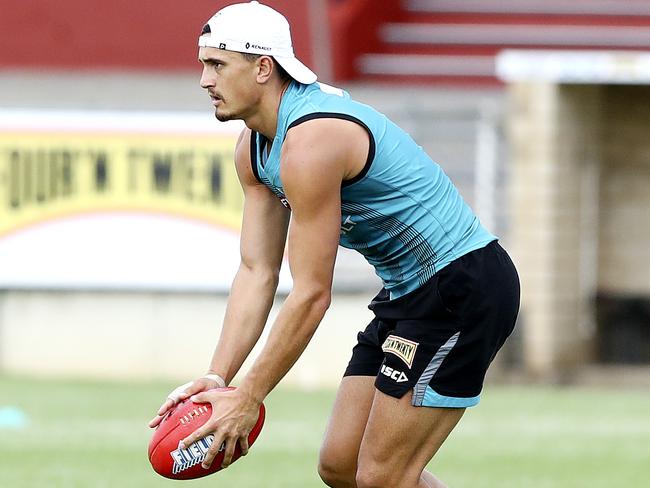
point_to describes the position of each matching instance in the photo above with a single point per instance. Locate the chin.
(223, 117)
(227, 116)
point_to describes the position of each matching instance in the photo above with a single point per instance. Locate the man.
(320, 169)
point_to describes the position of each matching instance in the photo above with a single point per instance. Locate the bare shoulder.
(242, 148)
(243, 158)
(326, 146)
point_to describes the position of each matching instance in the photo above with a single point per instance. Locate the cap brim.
(296, 69)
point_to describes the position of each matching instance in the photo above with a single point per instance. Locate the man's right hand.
(179, 394)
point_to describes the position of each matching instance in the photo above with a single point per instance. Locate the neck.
(265, 119)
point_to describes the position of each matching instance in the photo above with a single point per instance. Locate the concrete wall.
(554, 140)
(151, 335)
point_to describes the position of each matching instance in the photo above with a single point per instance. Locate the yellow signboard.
(48, 175)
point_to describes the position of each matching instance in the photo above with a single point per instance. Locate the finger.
(185, 394)
(230, 450)
(216, 447)
(243, 445)
(167, 404)
(190, 390)
(156, 420)
(177, 392)
(199, 433)
(202, 397)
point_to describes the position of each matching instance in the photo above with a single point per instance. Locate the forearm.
(294, 327)
(249, 304)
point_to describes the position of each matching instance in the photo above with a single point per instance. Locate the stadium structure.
(538, 110)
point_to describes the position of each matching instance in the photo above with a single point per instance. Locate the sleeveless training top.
(401, 211)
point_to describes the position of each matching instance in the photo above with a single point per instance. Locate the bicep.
(312, 176)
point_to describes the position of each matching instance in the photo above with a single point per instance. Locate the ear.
(266, 65)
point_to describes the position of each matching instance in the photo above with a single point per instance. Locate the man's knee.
(336, 471)
(375, 475)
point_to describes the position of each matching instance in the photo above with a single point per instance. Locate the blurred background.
(119, 206)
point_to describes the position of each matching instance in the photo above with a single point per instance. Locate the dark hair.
(282, 73)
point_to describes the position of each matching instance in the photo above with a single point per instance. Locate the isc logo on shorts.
(393, 374)
(402, 348)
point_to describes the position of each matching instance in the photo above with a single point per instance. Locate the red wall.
(353, 30)
(134, 34)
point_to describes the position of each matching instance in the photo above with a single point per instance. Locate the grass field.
(92, 434)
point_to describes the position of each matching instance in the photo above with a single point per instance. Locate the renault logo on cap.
(248, 45)
(222, 45)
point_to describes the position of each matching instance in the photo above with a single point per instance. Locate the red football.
(184, 464)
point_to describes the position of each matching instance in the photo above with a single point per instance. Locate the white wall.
(150, 335)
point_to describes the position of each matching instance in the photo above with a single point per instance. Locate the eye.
(211, 63)
(215, 65)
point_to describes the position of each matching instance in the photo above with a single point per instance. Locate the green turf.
(90, 434)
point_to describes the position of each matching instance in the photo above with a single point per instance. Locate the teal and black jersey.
(401, 211)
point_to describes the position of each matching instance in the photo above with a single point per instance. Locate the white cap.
(256, 29)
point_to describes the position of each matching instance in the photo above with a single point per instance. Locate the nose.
(206, 81)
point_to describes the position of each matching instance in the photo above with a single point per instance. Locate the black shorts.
(439, 340)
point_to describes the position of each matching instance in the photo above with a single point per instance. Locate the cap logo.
(222, 45)
(248, 45)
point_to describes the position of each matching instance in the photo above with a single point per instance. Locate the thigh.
(400, 439)
(347, 423)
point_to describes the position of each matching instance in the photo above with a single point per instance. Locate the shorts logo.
(393, 374)
(402, 348)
